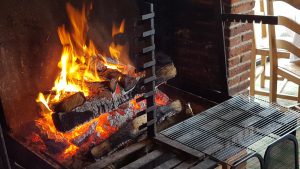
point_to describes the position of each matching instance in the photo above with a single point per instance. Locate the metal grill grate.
(236, 128)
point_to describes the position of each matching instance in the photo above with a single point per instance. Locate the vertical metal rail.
(4, 161)
(149, 68)
(221, 46)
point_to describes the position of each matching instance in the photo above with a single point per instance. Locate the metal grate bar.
(240, 126)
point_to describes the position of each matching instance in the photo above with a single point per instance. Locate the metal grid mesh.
(235, 128)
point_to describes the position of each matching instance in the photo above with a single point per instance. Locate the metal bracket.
(271, 20)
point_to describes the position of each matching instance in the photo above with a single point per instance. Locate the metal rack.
(237, 130)
(147, 18)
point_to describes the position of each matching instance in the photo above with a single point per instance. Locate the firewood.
(79, 140)
(125, 81)
(100, 89)
(69, 103)
(128, 82)
(131, 130)
(165, 73)
(52, 145)
(161, 111)
(189, 110)
(130, 150)
(92, 108)
(122, 135)
(67, 121)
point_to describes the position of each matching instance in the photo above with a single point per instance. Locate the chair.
(260, 46)
(285, 69)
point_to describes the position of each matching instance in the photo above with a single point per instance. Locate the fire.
(115, 49)
(76, 64)
(77, 67)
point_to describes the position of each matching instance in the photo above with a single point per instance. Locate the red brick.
(242, 7)
(239, 88)
(243, 76)
(239, 39)
(232, 52)
(236, 30)
(246, 57)
(233, 61)
(239, 69)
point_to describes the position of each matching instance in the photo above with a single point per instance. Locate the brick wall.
(238, 37)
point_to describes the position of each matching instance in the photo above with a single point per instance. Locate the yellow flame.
(41, 99)
(115, 50)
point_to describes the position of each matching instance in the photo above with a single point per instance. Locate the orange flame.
(115, 49)
(76, 60)
(76, 68)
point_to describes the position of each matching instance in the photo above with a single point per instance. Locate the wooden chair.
(285, 69)
(260, 46)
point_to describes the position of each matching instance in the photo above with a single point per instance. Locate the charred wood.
(131, 130)
(165, 73)
(119, 155)
(67, 121)
(92, 108)
(69, 103)
(125, 81)
(79, 140)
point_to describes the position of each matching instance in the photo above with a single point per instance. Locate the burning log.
(131, 130)
(69, 103)
(125, 81)
(67, 121)
(92, 108)
(79, 140)
(101, 99)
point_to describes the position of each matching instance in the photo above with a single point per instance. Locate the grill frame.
(222, 132)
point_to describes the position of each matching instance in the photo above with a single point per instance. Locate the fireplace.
(121, 43)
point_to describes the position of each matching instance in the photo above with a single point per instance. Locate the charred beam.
(69, 103)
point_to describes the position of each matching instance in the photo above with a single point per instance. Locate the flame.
(41, 98)
(116, 30)
(76, 63)
(77, 67)
(116, 49)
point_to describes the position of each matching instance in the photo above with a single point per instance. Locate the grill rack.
(236, 129)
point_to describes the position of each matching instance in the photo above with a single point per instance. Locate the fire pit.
(95, 75)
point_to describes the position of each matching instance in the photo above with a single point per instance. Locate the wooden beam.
(170, 163)
(187, 164)
(146, 160)
(119, 155)
(206, 164)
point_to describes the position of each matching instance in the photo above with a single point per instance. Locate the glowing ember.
(77, 68)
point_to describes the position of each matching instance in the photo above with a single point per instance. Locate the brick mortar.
(238, 35)
(239, 45)
(241, 3)
(242, 54)
(239, 65)
(238, 75)
(239, 84)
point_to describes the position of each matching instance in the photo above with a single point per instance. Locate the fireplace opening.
(83, 80)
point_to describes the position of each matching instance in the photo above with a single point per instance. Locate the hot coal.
(79, 140)
(131, 130)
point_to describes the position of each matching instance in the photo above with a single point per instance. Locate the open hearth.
(101, 77)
